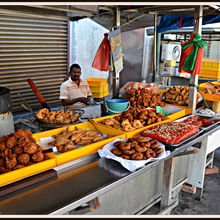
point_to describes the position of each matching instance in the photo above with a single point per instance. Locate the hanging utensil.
(38, 94)
(94, 125)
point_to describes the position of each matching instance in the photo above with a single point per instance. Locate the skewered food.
(171, 132)
(17, 150)
(133, 148)
(143, 97)
(68, 140)
(134, 119)
(59, 117)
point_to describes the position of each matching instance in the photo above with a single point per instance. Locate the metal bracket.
(187, 152)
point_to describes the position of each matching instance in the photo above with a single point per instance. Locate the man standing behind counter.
(75, 92)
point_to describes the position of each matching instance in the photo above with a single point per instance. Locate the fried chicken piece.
(2, 146)
(23, 158)
(90, 133)
(18, 150)
(10, 162)
(38, 156)
(3, 138)
(11, 142)
(7, 152)
(31, 148)
(60, 140)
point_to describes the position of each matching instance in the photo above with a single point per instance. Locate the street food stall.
(119, 164)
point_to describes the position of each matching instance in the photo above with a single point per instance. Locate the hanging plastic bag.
(101, 60)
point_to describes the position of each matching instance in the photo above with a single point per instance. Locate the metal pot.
(6, 116)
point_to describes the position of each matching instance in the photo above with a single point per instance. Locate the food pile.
(198, 121)
(67, 140)
(208, 91)
(171, 132)
(143, 97)
(18, 150)
(178, 95)
(133, 119)
(59, 117)
(140, 148)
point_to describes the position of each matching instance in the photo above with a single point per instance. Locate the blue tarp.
(172, 22)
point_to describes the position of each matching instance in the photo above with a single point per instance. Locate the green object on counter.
(162, 110)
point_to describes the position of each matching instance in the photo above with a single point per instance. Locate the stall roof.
(132, 16)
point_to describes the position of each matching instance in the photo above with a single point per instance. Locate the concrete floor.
(210, 202)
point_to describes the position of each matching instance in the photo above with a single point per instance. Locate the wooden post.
(194, 78)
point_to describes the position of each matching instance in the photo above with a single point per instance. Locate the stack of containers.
(210, 68)
(98, 87)
(213, 100)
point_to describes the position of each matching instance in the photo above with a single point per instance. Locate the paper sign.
(116, 48)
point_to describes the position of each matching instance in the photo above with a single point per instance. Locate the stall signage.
(116, 48)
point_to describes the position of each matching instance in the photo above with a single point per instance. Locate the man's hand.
(83, 100)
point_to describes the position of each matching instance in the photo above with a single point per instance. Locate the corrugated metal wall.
(33, 48)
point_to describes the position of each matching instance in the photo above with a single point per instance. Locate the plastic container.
(115, 106)
(100, 94)
(210, 68)
(6, 116)
(28, 171)
(96, 81)
(83, 151)
(99, 88)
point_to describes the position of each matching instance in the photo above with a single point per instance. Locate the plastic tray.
(62, 158)
(28, 171)
(173, 116)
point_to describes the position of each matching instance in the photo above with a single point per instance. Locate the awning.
(172, 22)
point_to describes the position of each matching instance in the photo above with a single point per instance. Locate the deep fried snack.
(154, 144)
(23, 158)
(150, 154)
(124, 156)
(18, 150)
(125, 146)
(11, 142)
(2, 146)
(158, 151)
(38, 156)
(10, 162)
(116, 152)
(137, 156)
(140, 149)
(145, 144)
(142, 139)
(31, 148)
(19, 166)
(118, 143)
(128, 152)
(134, 144)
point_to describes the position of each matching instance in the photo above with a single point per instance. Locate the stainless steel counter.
(78, 182)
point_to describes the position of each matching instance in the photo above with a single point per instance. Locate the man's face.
(75, 73)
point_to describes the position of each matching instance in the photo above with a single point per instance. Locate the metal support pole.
(168, 175)
(155, 48)
(194, 78)
(116, 75)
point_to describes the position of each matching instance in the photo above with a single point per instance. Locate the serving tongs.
(94, 125)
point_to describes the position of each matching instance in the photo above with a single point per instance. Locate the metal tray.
(56, 125)
(202, 128)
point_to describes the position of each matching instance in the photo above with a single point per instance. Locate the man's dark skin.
(75, 76)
